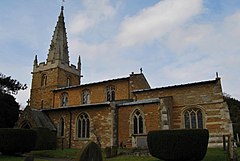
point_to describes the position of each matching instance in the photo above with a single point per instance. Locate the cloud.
(188, 38)
(154, 22)
(94, 13)
(201, 49)
(207, 38)
(189, 50)
(80, 23)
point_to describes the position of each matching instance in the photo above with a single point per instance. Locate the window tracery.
(83, 126)
(110, 93)
(193, 118)
(138, 122)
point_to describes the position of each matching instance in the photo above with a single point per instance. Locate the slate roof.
(181, 85)
(93, 83)
(79, 106)
(42, 119)
(139, 102)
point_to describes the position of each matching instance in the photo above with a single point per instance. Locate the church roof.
(59, 48)
(102, 104)
(42, 119)
(93, 83)
(181, 85)
(140, 102)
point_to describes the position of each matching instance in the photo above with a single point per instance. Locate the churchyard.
(162, 145)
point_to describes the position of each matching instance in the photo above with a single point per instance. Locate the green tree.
(234, 110)
(9, 108)
(8, 111)
(9, 85)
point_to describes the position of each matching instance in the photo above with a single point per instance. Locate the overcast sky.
(174, 41)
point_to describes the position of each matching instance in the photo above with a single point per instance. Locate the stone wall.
(100, 124)
(41, 95)
(207, 96)
(97, 92)
(151, 114)
(123, 88)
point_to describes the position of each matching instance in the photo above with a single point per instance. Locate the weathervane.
(62, 4)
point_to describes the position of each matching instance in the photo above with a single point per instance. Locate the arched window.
(61, 128)
(83, 126)
(86, 96)
(137, 120)
(110, 93)
(44, 80)
(26, 125)
(64, 100)
(193, 118)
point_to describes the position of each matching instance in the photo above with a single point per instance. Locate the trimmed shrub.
(90, 152)
(46, 139)
(17, 140)
(178, 145)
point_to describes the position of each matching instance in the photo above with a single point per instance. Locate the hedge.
(178, 145)
(17, 140)
(46, 139)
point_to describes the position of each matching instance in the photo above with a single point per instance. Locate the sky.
(174, 41)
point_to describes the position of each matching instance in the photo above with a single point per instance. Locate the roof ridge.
(172, 86)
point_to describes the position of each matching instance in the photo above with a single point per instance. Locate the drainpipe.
(70, 129)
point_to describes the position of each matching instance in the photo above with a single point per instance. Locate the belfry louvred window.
(44, 80)
(193, 118)
(83, 126)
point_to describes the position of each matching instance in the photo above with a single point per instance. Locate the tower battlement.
(43, 66)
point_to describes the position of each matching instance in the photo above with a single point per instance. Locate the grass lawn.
(16, 158)
(212, 155)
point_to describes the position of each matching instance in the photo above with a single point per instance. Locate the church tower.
(56, 72)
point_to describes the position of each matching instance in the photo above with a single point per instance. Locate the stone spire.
(58, 52)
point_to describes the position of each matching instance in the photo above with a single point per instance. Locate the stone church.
(116, 112)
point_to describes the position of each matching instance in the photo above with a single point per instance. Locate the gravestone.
(29, 158)
(141, 141)
(90, 152)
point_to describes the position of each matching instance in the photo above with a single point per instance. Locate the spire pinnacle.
(35, 61)
(80, 68)
(79, 62)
